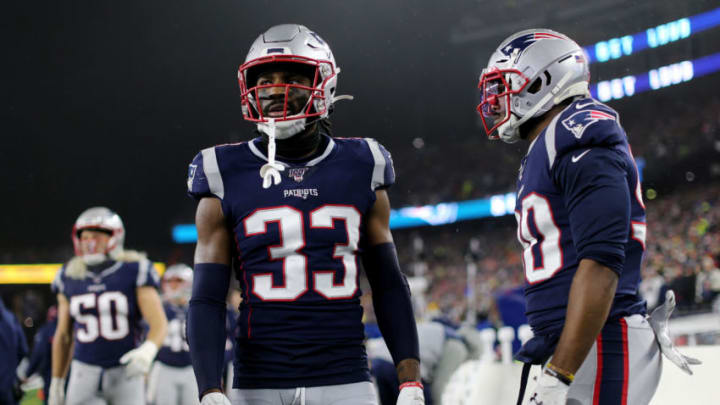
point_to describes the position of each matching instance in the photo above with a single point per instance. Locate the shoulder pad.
(383, 175)
(204, 179)
(584, 123)
(58, 284)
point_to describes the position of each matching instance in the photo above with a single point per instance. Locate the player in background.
(172, 381)
(295, 209)
(231, 325)
(41, 357)
(442, 351)
(103, 294)
(13, 348)
(581, 223)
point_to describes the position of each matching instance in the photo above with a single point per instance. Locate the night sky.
(106, 103)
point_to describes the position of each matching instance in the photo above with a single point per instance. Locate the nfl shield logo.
(297, 173)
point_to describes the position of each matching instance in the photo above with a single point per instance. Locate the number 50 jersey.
(297, 246)
(578, 197)
(103, 306)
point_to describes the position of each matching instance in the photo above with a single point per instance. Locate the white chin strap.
(94, 258)
(282, 129)
(270, 171)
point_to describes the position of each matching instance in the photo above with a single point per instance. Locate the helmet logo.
(521, 43)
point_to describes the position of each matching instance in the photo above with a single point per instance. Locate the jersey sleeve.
(596, 192)
(383, 175)
(58, 284)
(581, 126)
(147, 275)
(204, 179)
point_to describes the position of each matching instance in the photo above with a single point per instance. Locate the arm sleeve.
(206, 330)
(204, 179)
(597, 196)
(383, 175)
(58, 286)
(391, 300)
(147, 275)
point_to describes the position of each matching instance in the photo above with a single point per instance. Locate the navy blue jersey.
(104, 309)
(41, 357)
(13, 348)
(175, 351)
(297, 246)
(579, 197)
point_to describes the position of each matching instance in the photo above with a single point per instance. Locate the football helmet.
(529, 73)
(182, 292)
(297, 47)
(99, 219)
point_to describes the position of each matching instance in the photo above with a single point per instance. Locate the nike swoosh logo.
(578, 157)
(579, 106)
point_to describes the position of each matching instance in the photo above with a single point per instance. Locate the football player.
(172, 381)
(103, 294)
(296, 208)
(581, 224)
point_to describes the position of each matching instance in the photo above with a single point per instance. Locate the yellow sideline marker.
(39, 273)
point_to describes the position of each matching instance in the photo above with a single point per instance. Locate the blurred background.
(106, 103)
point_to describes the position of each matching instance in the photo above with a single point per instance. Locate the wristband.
(565, 376)
(412, 384)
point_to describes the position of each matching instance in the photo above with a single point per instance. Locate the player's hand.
(549, 391)
(215, 398)
(56, 392)
(411, 393)
(137, 361)
(659, 322)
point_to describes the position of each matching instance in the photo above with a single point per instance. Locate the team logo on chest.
(298, 173)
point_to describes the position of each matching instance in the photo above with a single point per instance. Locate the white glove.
(549, 391)
(215, 398)
(411, 393)
(659, 322)
(56, 392)
(137, 361)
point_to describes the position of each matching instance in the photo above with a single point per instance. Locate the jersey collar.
(314, 161)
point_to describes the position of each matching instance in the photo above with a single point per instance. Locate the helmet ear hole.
(535, 86)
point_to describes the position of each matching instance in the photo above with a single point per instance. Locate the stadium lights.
(408, 217)
(654, 79)
(39, 273)
(663, 34)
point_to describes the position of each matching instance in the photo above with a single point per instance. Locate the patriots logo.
(578, 122)
(297, 173)
(522, 42)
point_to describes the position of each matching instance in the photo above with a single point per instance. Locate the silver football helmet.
(182, 273)
(101, 219)
(529, 73)
(289, 44)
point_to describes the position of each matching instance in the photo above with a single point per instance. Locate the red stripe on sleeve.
(598, 372)
(626, 361)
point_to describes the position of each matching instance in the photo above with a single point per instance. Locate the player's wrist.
(407, 384)
(560, 374)
(149, 349)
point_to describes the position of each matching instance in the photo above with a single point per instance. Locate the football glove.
(215, 398)
(411, 393)
(549, 391)
(137, 361)
(56, 392)
(659, 322)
